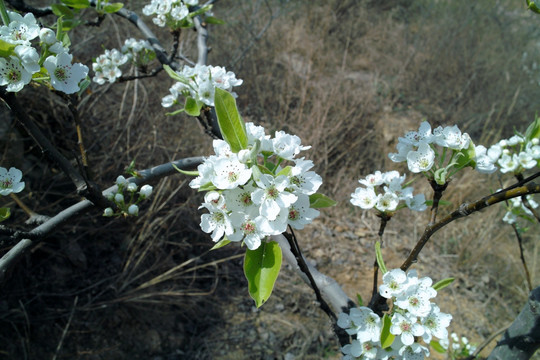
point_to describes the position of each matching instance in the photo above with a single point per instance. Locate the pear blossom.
(422, 159)
(287, 146)
(300, 214)
(406, 327)
(10, 181)
(29, 58)
(65, 76)
(251, 231)
(239, 199)
(372, 180)
(436, 324)
(272, 195)
(200, 83)
(387, 202)
(508, 163)
(21, 30)
(216, 222)
(13, 74)
(526, 160)
(423, 135)
(484, 163)
(417, 202)
(302, 180)
(366, 198)
(393, 283)
(230, 173)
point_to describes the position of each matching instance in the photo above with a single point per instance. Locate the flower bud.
(535, 141)
(132, 187)
(146, 191)
(244, 155)
(119, 198)
(133, 210)
(120, 180)
(108, 212)
(47, 36)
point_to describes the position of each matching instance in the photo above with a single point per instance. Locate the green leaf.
(443, 283)
(174, 75)
(532, 6)
(175, 112)
(113, 7)
(207, 187)
(378, 255)
(221, 243)
(5, 213)
(466, 157)
(440, 176)
(6, 49)
(360, 300)
(437, 346)
(83, 85)
(77, 4)
(285, 171)
(533, 131)
(189, 173)
(67, 25)
(261, 267)
(231, 125)
(386, 337)
(213, 20)
(62, 10)
(318, 201)
(192, 107)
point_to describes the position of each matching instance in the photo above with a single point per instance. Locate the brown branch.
(522, 256)
(437, 195)
(465, 210)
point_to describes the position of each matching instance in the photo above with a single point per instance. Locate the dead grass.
(348, 78)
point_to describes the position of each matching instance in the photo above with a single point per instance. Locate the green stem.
(4, 14)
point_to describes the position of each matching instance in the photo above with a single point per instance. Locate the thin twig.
(466, 210)
(522, 256)
(486, 342)
(64, 333)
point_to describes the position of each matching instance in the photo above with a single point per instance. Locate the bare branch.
(9, 260)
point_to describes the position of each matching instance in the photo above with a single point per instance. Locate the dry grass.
(348, 78)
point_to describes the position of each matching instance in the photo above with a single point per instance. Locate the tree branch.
(8, 261)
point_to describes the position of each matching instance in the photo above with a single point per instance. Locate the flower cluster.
(513, 155)
(461, 347)
(393, 191)
(17, 68)
(200, 83)
(418, 149)
(10, 181)
(127, 205)
(413, 317)
(171, 13)
(250, 197)
(516, 209)
(107, 66)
